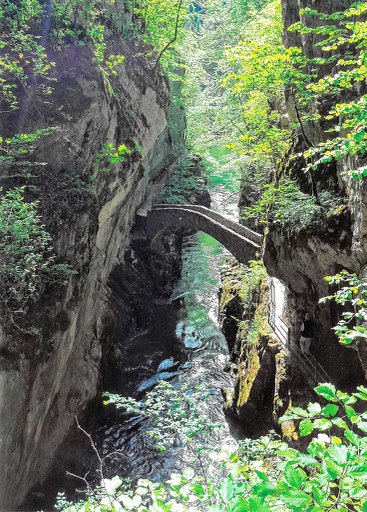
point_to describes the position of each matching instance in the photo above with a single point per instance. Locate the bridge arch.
(240, 241)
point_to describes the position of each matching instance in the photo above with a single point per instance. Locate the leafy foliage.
(183, 182)
(108, 158)
(175, 414)
(267, 475)
(259, 62)
(352, 292)
(20, 146)
(27, 261)
(24, 65)
(232, 86)
(287, 206)
(343, 38)
(163, 26)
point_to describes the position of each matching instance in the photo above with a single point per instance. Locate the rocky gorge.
(270, 375)
(71, 345)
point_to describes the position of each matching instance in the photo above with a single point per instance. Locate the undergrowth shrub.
(183, 183)
(286, 206)
(27, 259)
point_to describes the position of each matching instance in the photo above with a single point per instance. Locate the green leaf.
(239, 504)
(358, 471)
(362, 393)
(339, 422)
(350, 411)
(338, 452)
(257, 504)
(226, 489)
(264, 489)
(306, 460)
(293, 476)
(330, 410)
(362, 425)
(198, 489)
(263, 476)
(319, 495)
(332, 468)
(327, 391)
(353, 438)
(314, 408)
(305, 427)
(299, 412)
(322, 424)
(296, 499)
(345, 398)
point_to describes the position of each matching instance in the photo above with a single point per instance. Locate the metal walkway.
(310, 367)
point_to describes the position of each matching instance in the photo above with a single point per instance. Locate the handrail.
(308, 363)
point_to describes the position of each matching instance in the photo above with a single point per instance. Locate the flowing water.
(186, 347)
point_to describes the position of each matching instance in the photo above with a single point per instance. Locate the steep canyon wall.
(302, 260)
(269, 377)
(47, 378)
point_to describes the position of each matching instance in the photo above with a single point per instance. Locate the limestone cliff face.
(301, 261)
(48, 378)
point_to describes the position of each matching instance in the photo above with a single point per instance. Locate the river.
(184, 346)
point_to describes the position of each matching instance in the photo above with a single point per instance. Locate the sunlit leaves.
(163, 26)
(175, 414)
(331, 475)
(21, 145)
(284, 204)
(351, 292)
(259, 63)
(346, 41)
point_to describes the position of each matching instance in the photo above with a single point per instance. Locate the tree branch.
(174, 36)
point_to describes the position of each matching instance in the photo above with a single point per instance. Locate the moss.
(289, 431)
(227, 296)
(248, 287)
(256, 336)
(281, 398)
(281, 367)
(247, 376)
(231, 284)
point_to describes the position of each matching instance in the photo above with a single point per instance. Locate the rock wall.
(252, 355)
(301, 261)
(47, 379)
(269, 378)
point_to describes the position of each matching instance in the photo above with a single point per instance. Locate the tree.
(163, 26)
(234, 86)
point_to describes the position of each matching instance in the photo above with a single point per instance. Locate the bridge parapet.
(230, 224)
(242, 242)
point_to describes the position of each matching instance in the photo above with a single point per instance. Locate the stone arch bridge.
(240, 241)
